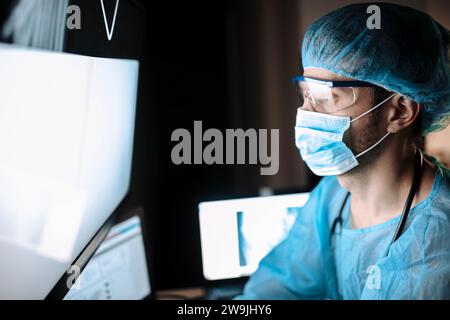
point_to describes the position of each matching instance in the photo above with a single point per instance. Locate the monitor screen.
(118, 270)
(236, 234)
(66, 139)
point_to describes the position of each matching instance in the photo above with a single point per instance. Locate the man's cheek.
(348, 139)
(358, 136)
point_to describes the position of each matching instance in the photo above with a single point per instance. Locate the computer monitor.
(118, 270)
(66, 141)
(236, 234)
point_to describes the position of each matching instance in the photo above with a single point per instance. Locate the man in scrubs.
(368, 98)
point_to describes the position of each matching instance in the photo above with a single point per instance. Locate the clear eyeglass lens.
(325, 99)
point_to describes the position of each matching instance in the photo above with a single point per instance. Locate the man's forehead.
(324, 74)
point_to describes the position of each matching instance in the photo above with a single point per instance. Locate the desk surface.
(181, 294)
(224, 292)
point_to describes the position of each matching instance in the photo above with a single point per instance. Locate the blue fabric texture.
(409, 55)
(352, 264)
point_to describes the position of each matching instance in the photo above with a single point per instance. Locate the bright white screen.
(66, 138)
(237, 234)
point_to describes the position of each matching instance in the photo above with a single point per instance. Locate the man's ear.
(402, 113)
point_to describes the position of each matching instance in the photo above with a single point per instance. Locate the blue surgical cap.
(409, 54)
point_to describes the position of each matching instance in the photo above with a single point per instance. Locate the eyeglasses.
(328, 96)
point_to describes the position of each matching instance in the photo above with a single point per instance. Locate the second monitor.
(236, 234)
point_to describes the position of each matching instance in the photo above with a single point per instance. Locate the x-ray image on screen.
(259, 232)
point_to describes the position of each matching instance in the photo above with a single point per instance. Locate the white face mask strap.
(367, 150)
(373, 108)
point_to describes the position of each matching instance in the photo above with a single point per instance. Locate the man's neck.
(379, 190)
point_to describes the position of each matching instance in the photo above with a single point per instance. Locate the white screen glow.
(66, 139)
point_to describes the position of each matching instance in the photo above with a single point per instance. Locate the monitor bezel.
(60, 289)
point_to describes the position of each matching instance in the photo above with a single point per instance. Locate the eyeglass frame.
(334, 83)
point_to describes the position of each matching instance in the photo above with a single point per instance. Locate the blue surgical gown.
(352, 264)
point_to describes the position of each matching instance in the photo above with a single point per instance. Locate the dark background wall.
(185, 47)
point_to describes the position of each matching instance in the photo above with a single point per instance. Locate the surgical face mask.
(319, 136)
